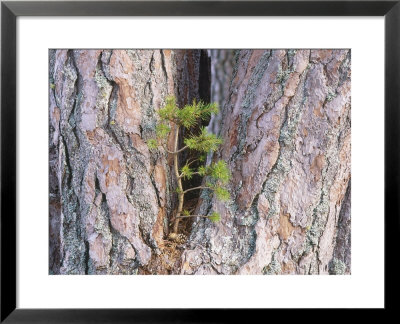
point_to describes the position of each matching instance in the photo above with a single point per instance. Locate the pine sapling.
(173, 119)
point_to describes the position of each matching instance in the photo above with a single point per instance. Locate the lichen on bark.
(286, 126)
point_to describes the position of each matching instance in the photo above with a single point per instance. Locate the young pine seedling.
(173, 119)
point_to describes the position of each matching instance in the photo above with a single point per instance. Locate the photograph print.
(199, 161)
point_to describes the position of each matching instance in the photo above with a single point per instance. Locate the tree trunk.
(221, 75)
(110, 197)
(285, 121)
(286, 131)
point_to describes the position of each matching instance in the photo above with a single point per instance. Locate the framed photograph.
(162, 158)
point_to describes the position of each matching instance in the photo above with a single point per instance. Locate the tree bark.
(110, 197)
(286, 131)
(221, 76)
(285, 121)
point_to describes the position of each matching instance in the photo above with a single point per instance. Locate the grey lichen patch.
(105, 63)
(345, 69)
(141, 195)
(52, 61)
(331, 95)
(283, 75)
(290, 128)
(319, 217)
(308, 254)
(337, 267)
(342, 249)
(273, 268)
(72, 236)
(74, 252)
(286, 139)
(67, 102)
(291, 53)
(236, 55)
(321, 211)
(122, 256)
(250, 217)
(100, 78)
(102, 228)
(251, 245)
(224, 247)
(103, 97)
(144, 75)
(112, 106)
(255, 80)
(225, 252)
(151, 97)
(252, 87)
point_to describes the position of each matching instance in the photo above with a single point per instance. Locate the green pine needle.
(186, 172)
(214, 217)
(162, 130)
(170, 110)
(187, 116)
(152, 144)
(202, 170)
(220, 171)
(222, 193)
(190, 115)
(204, 142)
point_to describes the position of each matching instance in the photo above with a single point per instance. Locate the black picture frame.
(9, 13)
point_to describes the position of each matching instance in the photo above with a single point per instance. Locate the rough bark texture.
(110, 197)
(221, 74)
(286, 131)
